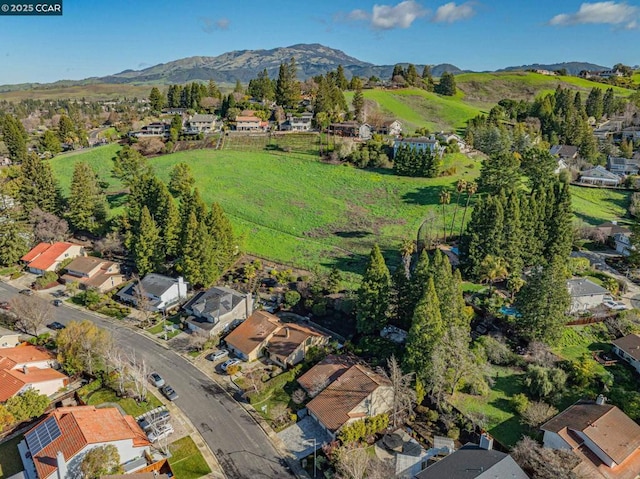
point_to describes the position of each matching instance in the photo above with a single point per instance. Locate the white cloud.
(611, 13)
(357, 15)
(402, 15)
(209, 25)
(450, 12)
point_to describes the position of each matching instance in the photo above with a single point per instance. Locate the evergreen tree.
(500, 172)
(130, 166)
(513, 233)
(402, 304)
(560, 223)
(181, 180)
(221, 231)
(539, 166)
(206, 255)
(449, 297)
(67, 130)
(87, 206)
(146, 246)
(426, 331)
(341, 80)
(13, 243)
(15, 137)
(373, 295)
(39, 188)
(287, 89)
(543, 303)
(427, 79)
(398, 71)
(594, 105)
(262, 88)
(358, 103)
(156, 100)
(420, 279)
(609, 103)
(188, 263)
(50, 142)
(174, 96)
(577, 104)
(412, 75)
(168, 220)
(447, 85)
(212, 90)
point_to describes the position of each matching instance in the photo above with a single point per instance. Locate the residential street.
(240, 445)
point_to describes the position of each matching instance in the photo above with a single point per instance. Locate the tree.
(156, 100)
(146, 246)
(13, 243)
(544, 382)
(537, 413)
(447, 85)
(82, 347)
(142, 302)
(542, 462)
(6, 418)
(27, 405)
(492, 269)
(50, 142)
(445, 199)
(500, 172)
(101, 461)
(138, 374)
(404, 396)
(109, 245)
(87, 209)
(262, 87)
(357, 463)
(287, 90)
(48, 228)
(471, 189)
(593, 105)
(32, 312)
(373, 295)
(358, 103)
(341, 80)
(67, 130)
(129, 166)
(15, 137)
(39, 188)
(181, 179)
(609, 103)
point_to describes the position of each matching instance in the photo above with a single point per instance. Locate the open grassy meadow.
(596, 205)
(90, 91)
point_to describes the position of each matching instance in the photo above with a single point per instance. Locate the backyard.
(186, 460)
(10, 462)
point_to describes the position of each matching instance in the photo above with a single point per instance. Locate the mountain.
(573, 68)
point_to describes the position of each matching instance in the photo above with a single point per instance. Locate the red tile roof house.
(47, 256)
(263, 334)
(92, 272)
(605, 439)
(356, 394)
(62, 439)
(29, 367)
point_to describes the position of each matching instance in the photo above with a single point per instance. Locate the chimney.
(62, 466)
(486, 442)
(25, 369)
(600, 400)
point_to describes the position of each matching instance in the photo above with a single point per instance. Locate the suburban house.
(619, 236)
(449, 138)
(217, 309)
(56, 446)
(623, 166)
(300, 122)
(585, 294)
(93, 273)
(350, 129)
(631, 133)
(174, 111)
(325, 372)
(628, 348)
(263, 334)
(29, 367)
(249, 123)
(389, 127)
(8, 338)
(48, 256)
(202, 123)
(162, 292)
(600, 74)
(604, 438)
(356, 394)
(599, 176)
(419, 144)
(475, 461)
(564, 152)
(153, 129)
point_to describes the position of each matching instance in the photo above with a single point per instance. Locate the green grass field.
(597, 205)
(10, 462)
(186, 460)
(99, 159)
(129, 405)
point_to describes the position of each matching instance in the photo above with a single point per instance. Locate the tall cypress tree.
(39, 188)
(420, 279)
(401, 300)
(12, 243)
(146, 245)
(373, 295)
(513, 233)
(188, 263)
(221, 231)
(560, 223)
(15, 137)
(87, 205)
(168, 219)
(594, 106)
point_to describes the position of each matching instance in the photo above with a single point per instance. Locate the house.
(8, 338)
(447, 138)
(475, 461)
(161, 291)
(356, 394)
(564, 152)
(325, 372)
(623, 166)
(263, 334)
(153, 129)
(404, 453)
(48, 256)
(620, 236)
(419, 144)
(29, 367)
(174, 111)
(605, 439)
(585, 294)
(202, 123)
(56, 446)
(389, 127)
(350, 129)
(631, 133)
(628, 348)
(302, 122)
(545, 72)
(249, 123)
(599, 176)
(217, 309)
(93, 273)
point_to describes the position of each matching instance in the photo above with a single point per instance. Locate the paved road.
(242, 448)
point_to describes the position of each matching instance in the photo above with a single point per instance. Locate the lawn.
(579, 340)
(502, 421)
(597, 205)
(129, 405)
(186, 460)
(10, 462)
(99, 158)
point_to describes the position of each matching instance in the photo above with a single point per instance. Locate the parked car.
(56, 325)
(5, 305)
(59, 294)
(219, 354)
(155, 420)
(615, 305)
(169, 393)
(156, 380)
(26, 292)
(161, 432)
(229, 362)
(57, 302)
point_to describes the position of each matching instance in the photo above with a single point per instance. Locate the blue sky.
(98, 37)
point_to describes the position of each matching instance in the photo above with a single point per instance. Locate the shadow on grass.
(357, 262)
(508, 432)
(117, 200)
(590, 220)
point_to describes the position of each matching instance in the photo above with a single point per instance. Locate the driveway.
(299, 437)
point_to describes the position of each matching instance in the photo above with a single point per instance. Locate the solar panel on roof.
(43, 435)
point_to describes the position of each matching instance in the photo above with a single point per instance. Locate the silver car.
(156, 380)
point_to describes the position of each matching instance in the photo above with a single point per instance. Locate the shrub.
(497, 351)
(537, 413)
(520, 402)
(454, 433)
(233, 369)
(363, 428)
(46, 279)
(542, 381)
(291, 298)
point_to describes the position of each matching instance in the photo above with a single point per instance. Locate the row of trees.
(408, 161)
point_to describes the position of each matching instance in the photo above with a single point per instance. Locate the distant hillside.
(573, 68)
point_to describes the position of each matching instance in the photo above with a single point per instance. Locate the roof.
(86, 264)
(599, 172)
(216, 301)
(611, 228)
(13, 380)
(564, 151)
(288, 338)
(25, 354)
(333, 405)
(326, 371)
(421, 139)
(202, 117)
(248, 118)
(605, 425)
(153, 284)
(45, 254)
(81, 426)
(473, 462)
(584, 287)
(253, 332)
(630, 344)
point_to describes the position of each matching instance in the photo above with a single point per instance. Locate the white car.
(615, 305)
(229, 362)
(221, 353)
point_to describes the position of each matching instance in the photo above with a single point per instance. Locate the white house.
(628, 348)
(8, 339)
(599, 176)
(300, 122)
(48, 256)
(161, 291)
(418, 144)
(56, 446)
(217, 309)
(202, 123)
(585, 294)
